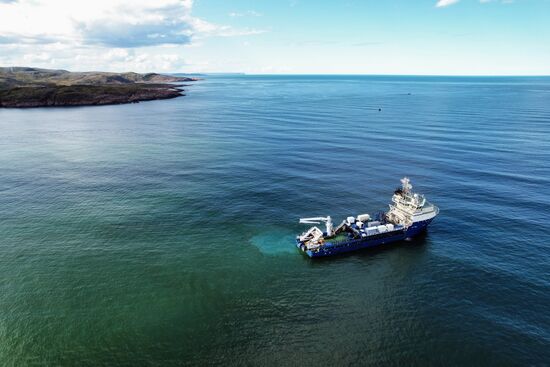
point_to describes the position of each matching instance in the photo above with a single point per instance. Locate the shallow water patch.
(275, 242)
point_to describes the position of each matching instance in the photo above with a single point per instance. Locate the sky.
(413, 37)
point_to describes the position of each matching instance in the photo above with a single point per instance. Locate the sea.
(162, 233)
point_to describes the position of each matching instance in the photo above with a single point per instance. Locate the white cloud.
(250, 13)
(203, 29)
(443, 3)
(120, 23)
(115, 23)
(139, 24)
(117, 35)
(161, 58)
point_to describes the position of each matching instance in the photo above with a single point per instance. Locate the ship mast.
(406, 183)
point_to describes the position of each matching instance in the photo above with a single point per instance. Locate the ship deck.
(338, 238)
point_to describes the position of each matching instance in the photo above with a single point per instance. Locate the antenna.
(406, 184)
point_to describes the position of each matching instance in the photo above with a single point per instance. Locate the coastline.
(30, 87)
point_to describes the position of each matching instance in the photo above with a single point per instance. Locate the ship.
(409, 215)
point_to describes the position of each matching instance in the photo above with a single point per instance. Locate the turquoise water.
(162, 233)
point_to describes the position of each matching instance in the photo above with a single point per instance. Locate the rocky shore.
(32, 87)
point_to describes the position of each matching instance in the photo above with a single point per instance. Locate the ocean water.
(161, 233)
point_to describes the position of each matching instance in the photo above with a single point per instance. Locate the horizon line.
(296, 74)
(364, 74)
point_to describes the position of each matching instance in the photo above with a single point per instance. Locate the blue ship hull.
(330, 249)
(418, 228)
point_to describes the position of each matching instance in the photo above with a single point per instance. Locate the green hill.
(34, 87)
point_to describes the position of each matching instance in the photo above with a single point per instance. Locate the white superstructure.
(409, 207)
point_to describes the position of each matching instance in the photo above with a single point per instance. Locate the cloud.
(111, 35)
(8, 38)
(202, 28)
(136, 35)
(110, 23)
(250, 13)
(134, 24)
(120, 23)
(58, 56)
(443, 3)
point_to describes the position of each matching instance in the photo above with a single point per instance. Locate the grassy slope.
(31, 87)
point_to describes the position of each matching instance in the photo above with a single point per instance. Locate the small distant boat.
(409, 215)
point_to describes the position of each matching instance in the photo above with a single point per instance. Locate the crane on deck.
(318, 220)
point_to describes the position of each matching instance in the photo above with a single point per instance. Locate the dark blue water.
(162, 233)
